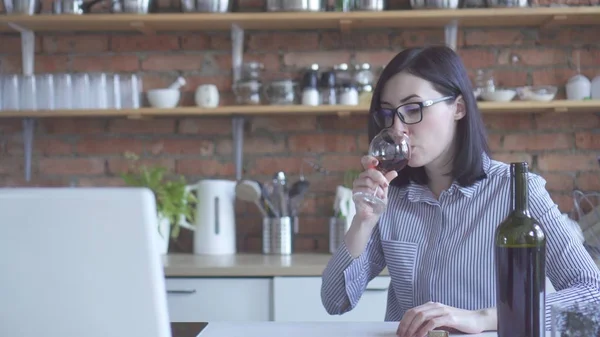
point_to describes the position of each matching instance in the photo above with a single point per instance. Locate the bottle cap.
(519, 167)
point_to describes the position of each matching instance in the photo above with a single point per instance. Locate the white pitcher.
(214, 227)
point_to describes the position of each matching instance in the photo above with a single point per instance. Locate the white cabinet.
(219, 299)
(266, 299)
(299, 299)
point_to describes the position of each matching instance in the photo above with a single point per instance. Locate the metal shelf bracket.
(451, 33)
(28, 59)
(237, 126)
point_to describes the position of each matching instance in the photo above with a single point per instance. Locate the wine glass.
(392, 151)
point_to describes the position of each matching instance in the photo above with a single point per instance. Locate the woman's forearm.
(358, 235)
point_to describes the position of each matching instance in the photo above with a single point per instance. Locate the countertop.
(245, 265)
(312, 329)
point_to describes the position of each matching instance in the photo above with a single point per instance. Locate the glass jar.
(348, 95)
(247, 92)
(363, 75)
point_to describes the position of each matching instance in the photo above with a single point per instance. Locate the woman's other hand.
(418, 321)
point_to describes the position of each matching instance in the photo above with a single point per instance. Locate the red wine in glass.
(392, 151)
(386, 165)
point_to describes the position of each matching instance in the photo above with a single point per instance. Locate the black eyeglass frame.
(423, 104)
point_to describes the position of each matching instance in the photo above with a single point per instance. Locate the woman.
(436, 236)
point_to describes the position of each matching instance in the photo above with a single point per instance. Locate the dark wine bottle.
(520, 258)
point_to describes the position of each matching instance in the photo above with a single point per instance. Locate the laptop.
(78, 262)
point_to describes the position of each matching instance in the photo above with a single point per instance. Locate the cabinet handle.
(183, 291)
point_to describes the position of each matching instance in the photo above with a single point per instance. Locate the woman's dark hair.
(444, 69)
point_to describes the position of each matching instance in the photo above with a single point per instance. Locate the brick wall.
(87, 151)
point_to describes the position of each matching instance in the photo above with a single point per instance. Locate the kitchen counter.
(312, 329)
(245, 265)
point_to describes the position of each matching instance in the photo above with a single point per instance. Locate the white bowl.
(499, 95)
(540, 93)
(163, 98)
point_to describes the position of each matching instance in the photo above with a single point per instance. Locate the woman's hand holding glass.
(389, 152)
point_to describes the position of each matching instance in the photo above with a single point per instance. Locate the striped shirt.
(442, 250)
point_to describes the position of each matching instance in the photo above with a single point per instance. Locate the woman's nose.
(399, 125)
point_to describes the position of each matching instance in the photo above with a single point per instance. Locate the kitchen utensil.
(294, 5)
(22, 7)
(248, 190)
(206, 6)
(299, 188)
(281, 192)
(278, 235)
(179, 82)
(268, 198)
(214, 229)
(296, 195)
(163, 98)
(266, 201)
(370, 5)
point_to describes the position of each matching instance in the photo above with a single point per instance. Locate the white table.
(308, 329)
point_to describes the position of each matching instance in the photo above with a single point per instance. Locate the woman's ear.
(460, 110)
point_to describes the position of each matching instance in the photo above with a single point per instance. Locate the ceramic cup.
(207, 96)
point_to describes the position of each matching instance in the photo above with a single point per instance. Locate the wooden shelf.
(515, 107)
(559, 106)
(149, 23)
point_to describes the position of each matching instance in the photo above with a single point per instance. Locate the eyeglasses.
(409, 113)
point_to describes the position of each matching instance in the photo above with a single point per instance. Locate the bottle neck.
(519, 192)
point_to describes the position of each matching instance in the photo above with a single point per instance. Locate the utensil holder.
(278, 235)
(337, 231)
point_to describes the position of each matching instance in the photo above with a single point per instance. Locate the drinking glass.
(392, 151)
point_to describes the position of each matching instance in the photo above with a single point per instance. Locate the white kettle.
(214, 227)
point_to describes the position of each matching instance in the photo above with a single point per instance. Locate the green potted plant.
(173, 200)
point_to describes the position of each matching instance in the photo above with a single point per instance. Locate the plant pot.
(162, 235)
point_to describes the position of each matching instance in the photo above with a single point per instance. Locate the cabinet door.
(299, 299)
(219, 299)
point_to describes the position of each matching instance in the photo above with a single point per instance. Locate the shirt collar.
(469, 191)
